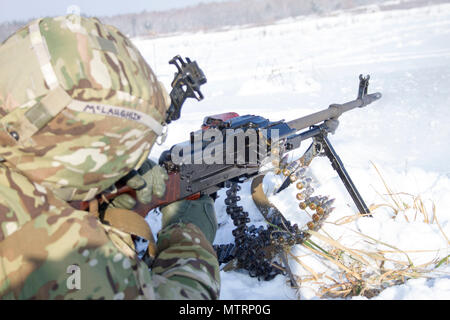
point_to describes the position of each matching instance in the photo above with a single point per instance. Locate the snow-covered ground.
(299, 66)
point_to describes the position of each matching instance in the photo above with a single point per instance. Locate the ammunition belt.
(256, 249)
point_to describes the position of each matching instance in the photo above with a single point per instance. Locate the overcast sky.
(27, 9)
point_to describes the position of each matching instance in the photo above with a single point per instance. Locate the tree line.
(210, 16)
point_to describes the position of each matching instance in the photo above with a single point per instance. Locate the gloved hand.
(149, 180)
(199, 212)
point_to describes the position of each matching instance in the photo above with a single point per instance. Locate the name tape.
(118, 112)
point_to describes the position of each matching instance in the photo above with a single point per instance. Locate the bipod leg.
(337, 165)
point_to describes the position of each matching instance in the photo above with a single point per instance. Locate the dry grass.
(367, 272)
(358, 272)
(397, 202)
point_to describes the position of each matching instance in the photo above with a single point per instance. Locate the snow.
(299, 66)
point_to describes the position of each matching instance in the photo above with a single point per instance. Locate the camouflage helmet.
(79, 106)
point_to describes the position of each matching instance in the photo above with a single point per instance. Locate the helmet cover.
(79, 105)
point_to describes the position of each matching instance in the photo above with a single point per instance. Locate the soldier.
(80, 109)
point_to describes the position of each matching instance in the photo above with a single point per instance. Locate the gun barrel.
(333, 112)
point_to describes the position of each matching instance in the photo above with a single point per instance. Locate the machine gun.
(196, 173)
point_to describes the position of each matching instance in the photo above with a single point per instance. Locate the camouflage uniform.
(79, 109)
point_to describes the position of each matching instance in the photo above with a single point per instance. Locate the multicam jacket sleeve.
(42, 238)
